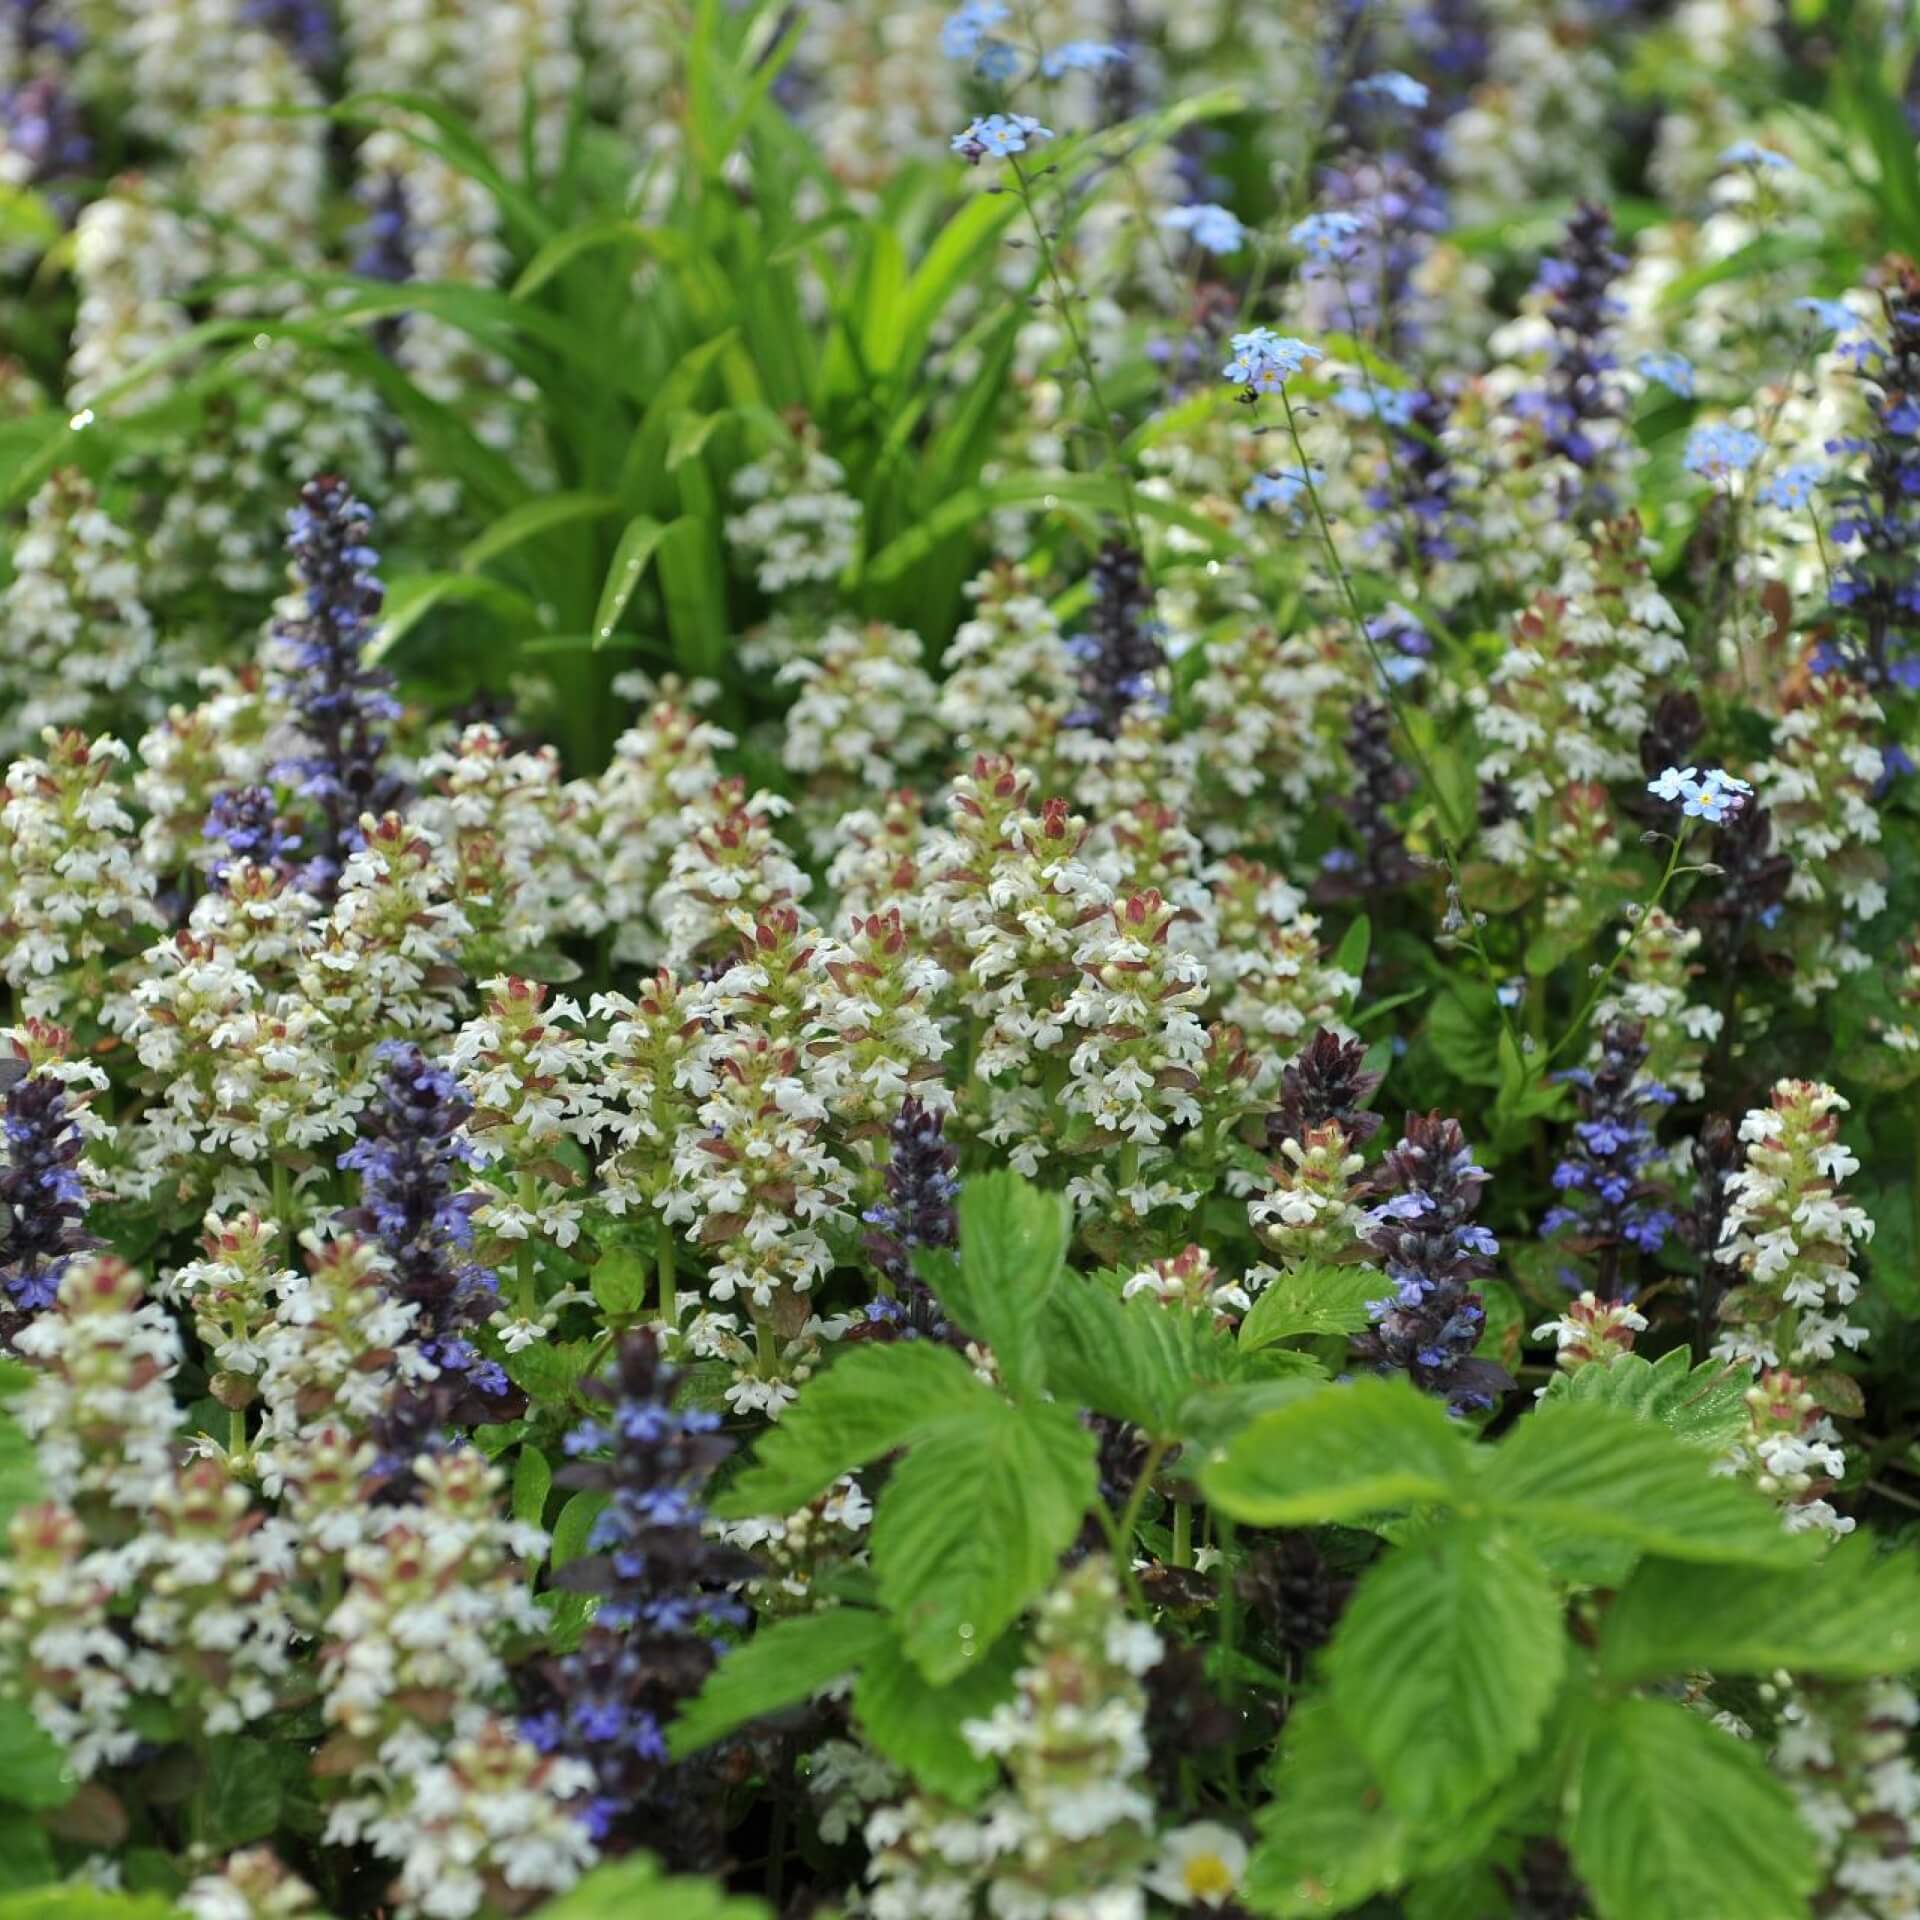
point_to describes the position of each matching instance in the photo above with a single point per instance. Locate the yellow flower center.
(1207, 1873)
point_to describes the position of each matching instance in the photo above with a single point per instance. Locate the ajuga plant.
(1060, 1057)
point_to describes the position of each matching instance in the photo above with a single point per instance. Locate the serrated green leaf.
(867, 1403)
(1704, 1405)
(1313, 1299)
(917, 1725)
(784, 1663)
(1674, 1819)
(1444, 1666)
(1013, 1242)
(1362, 1447)
(1851, 1616)
(1600, 1470)
(1327, 1838)
(972, 1524)
(619, 1282)
(1136, 1360)
(33, 1770)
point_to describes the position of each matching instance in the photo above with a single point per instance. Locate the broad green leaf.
(1444, 1666)
(693, 583)
(1675, 1820)
(1327, 1838)
(869, 1402)
(619, 1282)
(532, 1482)
(1704, 1405)
(1135, 1360)
(784, 1663)
(1314, 1299)
(570, 1531)
(972, 1525)
(917, 1725)
(1358, 1448)
(247, 1785)
(33, 1770)
(1351, 954)
(1013, 1240)
(632, 1889)
(1598, 1470)
(1853, 1615)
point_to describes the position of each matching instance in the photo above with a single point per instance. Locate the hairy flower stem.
(1444, 822)
(1050, 261)
(1606, 973)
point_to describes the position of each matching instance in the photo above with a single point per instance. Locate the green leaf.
(1445, 1664)
(1598, 1470)
(73, 1900)
(1013, 1241)
(1852, 1616)
(1673, 1819)
(1327, 1840)
(570, 1531)
(784, 1663)
(1362, 1447)
(1351, 954)
(619, 1282)
(532, 1482)
(1312, 1299)
(917, 1725)
(529, 521)
(26, 1851)
(625, 571)
(1135, 1360)
(20, 1481)
(247, 1783)
(972, 1524)
(413, 596)
(693, 584)
(33, 1770)
(632, 1889)
(867, 1403)
(1705, 1405)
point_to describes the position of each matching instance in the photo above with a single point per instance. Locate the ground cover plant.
(959, 962)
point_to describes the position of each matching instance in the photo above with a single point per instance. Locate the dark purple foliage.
(1120, 650)
(44, 1200)
(1326, 1083)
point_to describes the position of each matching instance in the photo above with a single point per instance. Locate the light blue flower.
(1211, 228)
(1749, 153)
(1674, 371)
(1835, 315)
(962, 33)
(1281, 488)
(996, 61)
(1793, 487)
(1263, 360)
(1326, 238)
(1715, 797)
(1717, 452)
(1394, 405)
(1401, 88)
(999, 135)
(1079, 56)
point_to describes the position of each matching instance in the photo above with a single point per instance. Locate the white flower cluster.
(798, 524)
(1069, 1834)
